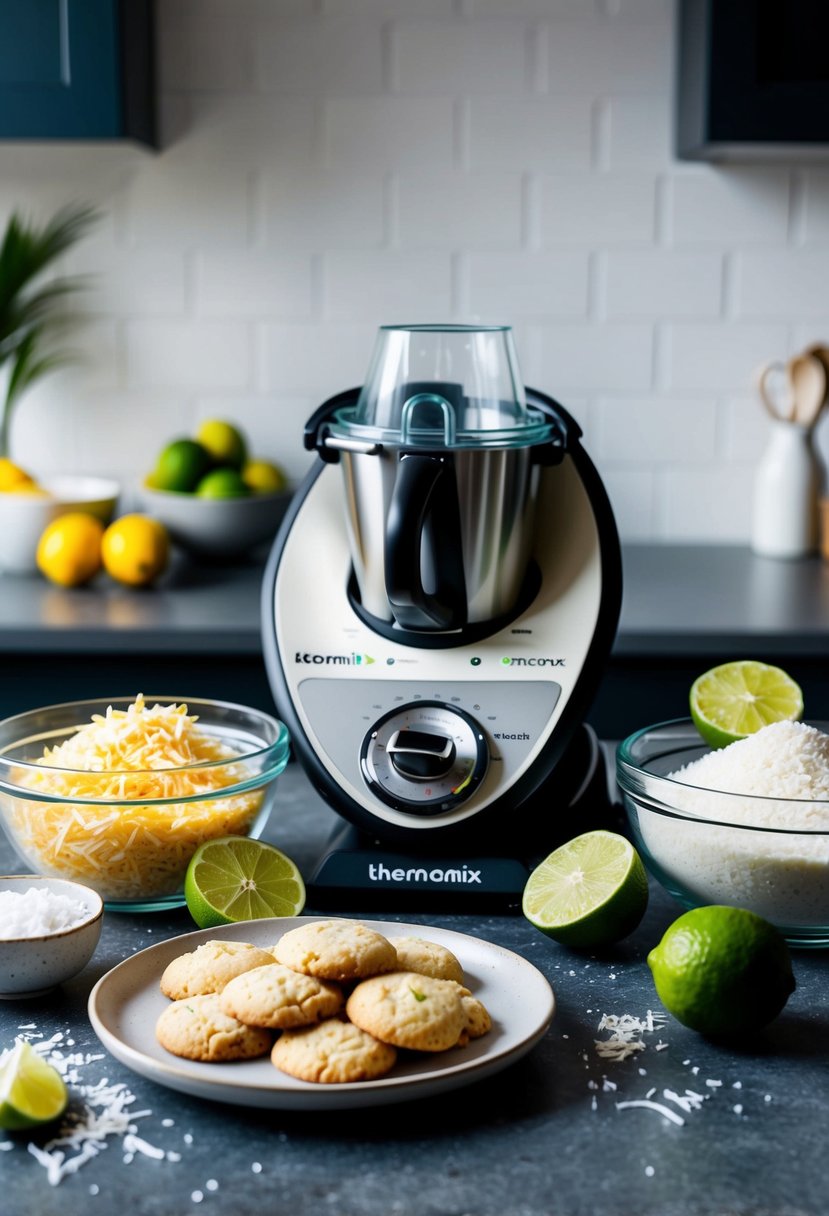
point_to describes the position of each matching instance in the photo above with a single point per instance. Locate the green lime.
(181, 466)
(235, 878)
(722, 971)
(736, 699)
(31, 1090)
(225, 442)
(264, 478)
(222, 483)
(591, 891)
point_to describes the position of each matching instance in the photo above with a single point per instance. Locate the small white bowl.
(216, 527)
(23, 517)
(30, 966)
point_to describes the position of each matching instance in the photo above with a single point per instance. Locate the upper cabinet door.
(77, 69)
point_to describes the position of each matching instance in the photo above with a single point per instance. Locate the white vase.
(787, 488)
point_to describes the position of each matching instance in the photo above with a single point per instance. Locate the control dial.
(424, 758)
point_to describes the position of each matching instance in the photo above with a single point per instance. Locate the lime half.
(234, 878)
(591, 891)
(736, 699)
(31, 1090)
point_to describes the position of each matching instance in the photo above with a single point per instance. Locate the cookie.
(408, 1009)
(196, 1029)
(277, 997)
(331, 1052)
(427, 958)
(210, 967)
(477, 1021)
(337, 950)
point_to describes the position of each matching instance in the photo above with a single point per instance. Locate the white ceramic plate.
(126, 1002)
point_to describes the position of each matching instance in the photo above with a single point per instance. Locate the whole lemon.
(722, 971)
(180, 466)
(224, 441)
(264, 478)
(12, 477)
(69, 550)
(135, 550)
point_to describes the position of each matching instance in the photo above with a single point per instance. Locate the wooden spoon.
(807, 377)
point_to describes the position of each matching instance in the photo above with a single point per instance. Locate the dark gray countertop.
(678, 599)
(543, 1138)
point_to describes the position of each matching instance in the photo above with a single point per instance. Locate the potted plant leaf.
(33, 303)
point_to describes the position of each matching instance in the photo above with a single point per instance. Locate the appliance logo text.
(531, 662)
(336, 660)
(463, 874)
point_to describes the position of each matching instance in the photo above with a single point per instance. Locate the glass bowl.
(770, 855)
(132, 842)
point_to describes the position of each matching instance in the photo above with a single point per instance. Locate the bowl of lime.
(214, 499)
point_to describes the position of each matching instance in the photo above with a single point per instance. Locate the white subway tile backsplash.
(597, 209)
(252, 283)
(314, 361)
(638, 430)
(651, 283)
(319, 210)
(188, 354)
(704, 504)
(381, 287)
(783, 284)
(513, 285)
(543, 134)
(601, 358)
(331, 165)
(607, 57)
(721, 358)
(735, 206)
(297, 56)
(385, 133)
(462, 211)
(450, 58)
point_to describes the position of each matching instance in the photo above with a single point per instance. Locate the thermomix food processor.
(437, 610)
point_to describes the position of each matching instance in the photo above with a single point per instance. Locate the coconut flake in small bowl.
(49, 928)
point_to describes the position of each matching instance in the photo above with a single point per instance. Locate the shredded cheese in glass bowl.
(119, 794)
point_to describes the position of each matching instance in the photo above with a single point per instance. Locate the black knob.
(419, 755)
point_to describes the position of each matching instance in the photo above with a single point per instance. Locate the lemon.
(225, 442)
(135, 550)
(222, 483)
(12, 477)
(235, 878)
(736, 699)
(181, 466)
(722, 971)
(69, 550)
(31, 1090)
(264, 478)
(592, 891)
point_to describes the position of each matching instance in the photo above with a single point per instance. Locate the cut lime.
(31, 1090)
(736, 699)
(591, 891)
(235, 879)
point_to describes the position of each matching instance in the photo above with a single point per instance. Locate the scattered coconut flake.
(738, 1110)
(647, 1104)
(256, 1167)
(689, 1101)
(626, 1034)
(649, 1171)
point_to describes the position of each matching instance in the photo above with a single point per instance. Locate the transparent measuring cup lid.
(444, 386)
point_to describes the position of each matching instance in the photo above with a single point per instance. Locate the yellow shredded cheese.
(125, 847)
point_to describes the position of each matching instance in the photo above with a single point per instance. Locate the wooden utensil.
(769, 385)
(807, 378)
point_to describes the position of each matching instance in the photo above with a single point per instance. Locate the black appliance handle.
(425, 489)
(315, 431)
(566, 431)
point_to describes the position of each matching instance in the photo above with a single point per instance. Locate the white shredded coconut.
(775, 778)
(626, 1034)
(37, 912)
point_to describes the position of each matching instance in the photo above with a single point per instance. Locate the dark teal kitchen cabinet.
(77, 69)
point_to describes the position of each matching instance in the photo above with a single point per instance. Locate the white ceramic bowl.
(30, 966)
(23, 517)
(216, 527)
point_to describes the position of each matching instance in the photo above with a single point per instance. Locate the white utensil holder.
(788, 486)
